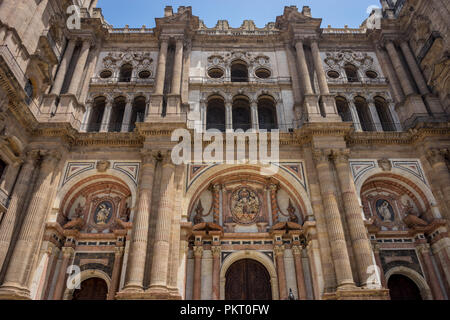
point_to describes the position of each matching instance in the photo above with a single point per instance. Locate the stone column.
(398, 67)
(21, 263)
(394, 116)
(304, 72)
(273, 188)
(216, 250)
(388, 69)
(254, 114)
(61, 75)
(116, 273)
(161, 73)
(415, 70)
(338, 244)
(229, 115)
(376, 252)
(433, 281)
(138, 246)
(353, 213)
(197, 290)
(441, 174)
(203, 115)
(106, 116)
(355, 116)
(127, 116)
(89, 73)
(16, 203)
(374, 115)
(323, 83)
(79, 68)
(177, 68)
(158, 277)
(216, 202)
(296, 90)
(301, 286)
(87, 116)
(67, 253)
(281, 272)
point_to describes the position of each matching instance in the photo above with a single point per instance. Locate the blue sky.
(136, 13)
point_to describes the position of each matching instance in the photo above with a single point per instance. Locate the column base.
(411, 111)
(13, 292)
(329, 105)
(312, 109)
(434, 104)
(358, 294)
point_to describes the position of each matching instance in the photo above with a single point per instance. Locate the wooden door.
(403, 288)
(91, 289)
(247, 280)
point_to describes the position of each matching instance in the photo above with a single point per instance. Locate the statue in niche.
(77, 221)
(291, 211)
(245, 206)
(103, 213)
(198, 213)
(385, 211)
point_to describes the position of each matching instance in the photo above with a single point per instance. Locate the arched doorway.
(403, 288)
(247, 279)
(91, 289)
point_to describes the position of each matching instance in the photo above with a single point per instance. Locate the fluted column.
(177, 68)
(388, 69)
(79, 68)
(376, 252)
(353, 213)
(355, 116)
(254, 114)
(301, 287)
(304, 72)
(424, 250)
(127, 116)
(296, 89)
(216, 250)
(441, 174)
(374, 115)
(399, 69)
(67, 253)
(20, 267)
(323, 83)
(161, 73)
(118, 255)
(138, 246)
(281, 272)
(415, 70)
(16, 203)
(87, 116)
(273, 188)
(60, 76)
(158, 277)
(106, 116)
(338, 244)
(197, 290)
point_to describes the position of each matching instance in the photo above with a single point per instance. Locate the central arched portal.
(247, 279)
(403, 288)
(91, 289)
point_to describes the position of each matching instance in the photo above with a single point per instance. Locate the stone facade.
(88, 189)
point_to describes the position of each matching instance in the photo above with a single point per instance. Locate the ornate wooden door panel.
(91, 289)
(403, 288)
(247, 280)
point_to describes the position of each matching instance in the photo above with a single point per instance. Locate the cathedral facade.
(93, 205)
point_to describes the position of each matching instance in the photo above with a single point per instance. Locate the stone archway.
(91, 289)
(403, 288)
(86, 275)
(419, 281)
(256, 256)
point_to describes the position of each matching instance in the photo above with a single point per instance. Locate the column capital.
(32, 156)
(297, 250)
(118, 251)
(436, 156)
(279, 250)
(51, 157)
(216, 250)
(198, 251)
(149, 157)
(67, 252)
(321, 156)
(340, 156)
(423, 248)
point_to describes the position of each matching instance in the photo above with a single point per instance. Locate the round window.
(333, 74)
(263, 73)
(371, 74)
(215, 73)
(105, 74)
(145, 74)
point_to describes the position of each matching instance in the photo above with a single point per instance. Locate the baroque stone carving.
(245, 206)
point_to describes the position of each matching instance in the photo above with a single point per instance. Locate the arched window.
(364, 114)
(239, 71)
(117, 112)
(215, 114)
(241, 114)
(95, 122)
(125, 73)
(343, 109)
(138, 114)
(267, 114)
(384, 114)
(352, 73)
